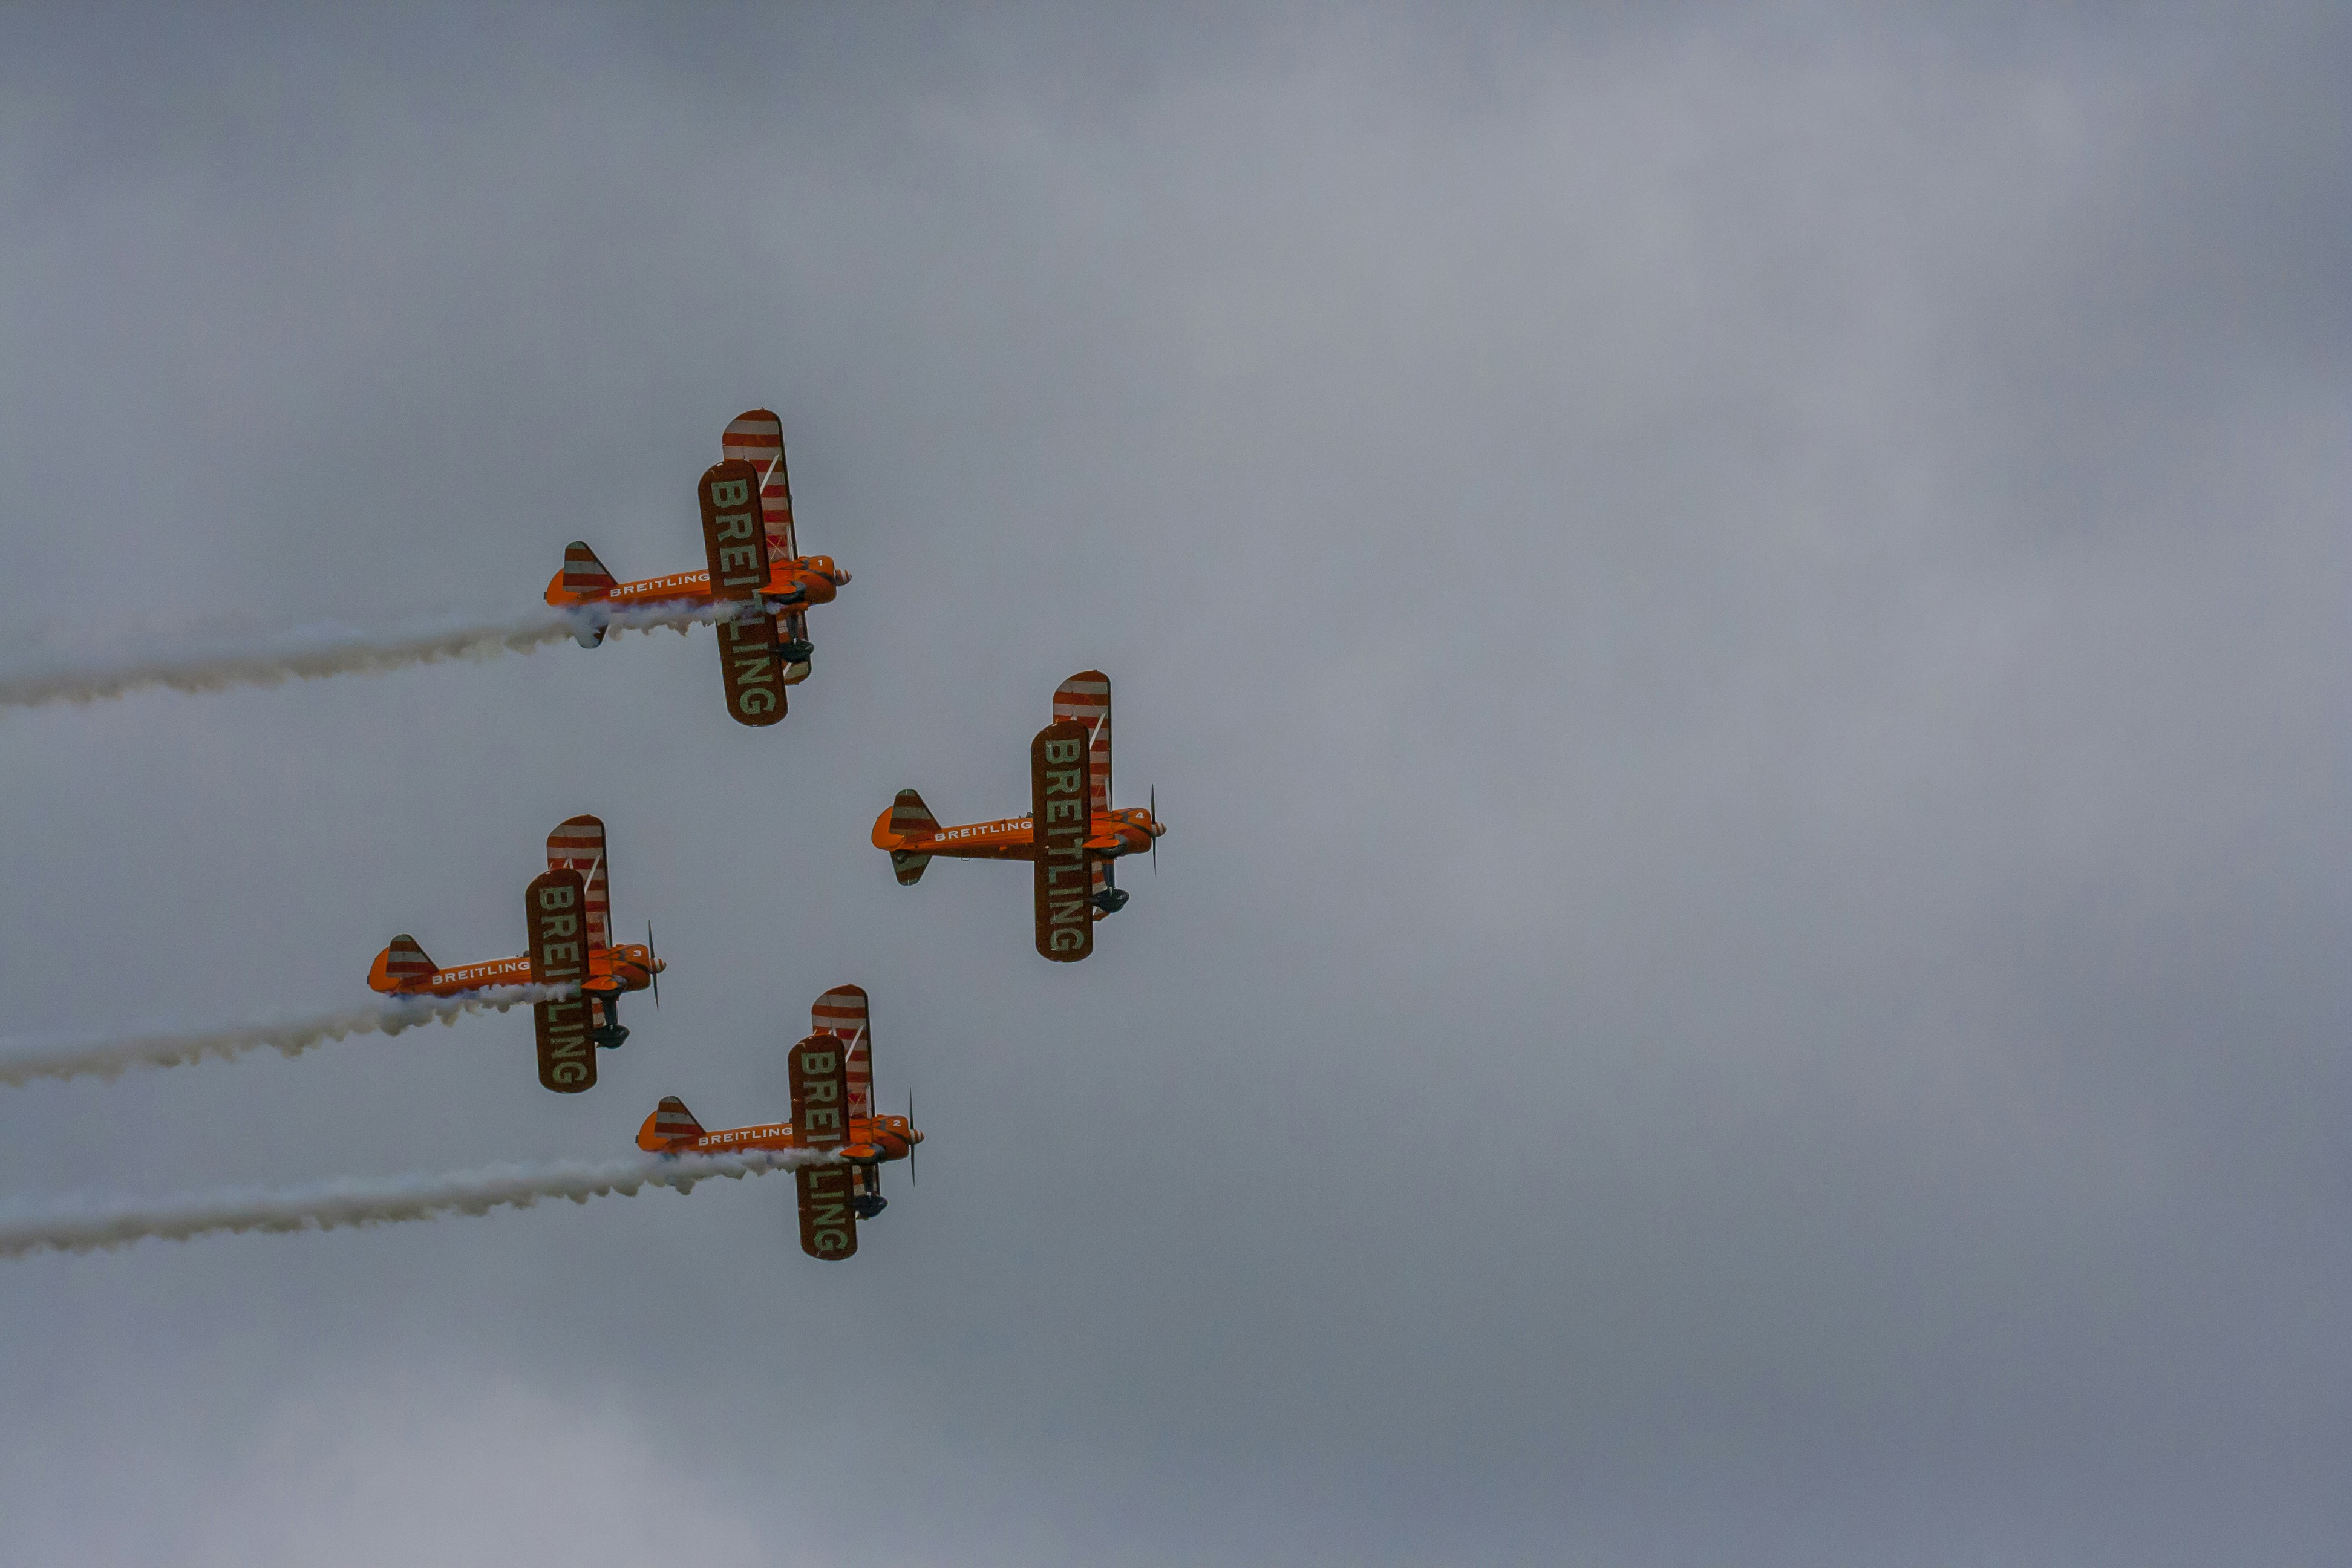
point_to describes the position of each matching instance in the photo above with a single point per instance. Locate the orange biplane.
(569, 914)
(1071, 833)
(755, 571)
(833, 1112)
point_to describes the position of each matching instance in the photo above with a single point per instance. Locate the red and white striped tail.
(578, 845)
(910, 814)
(758, 437)
(583, 575)
(404, 961)
(843, 1010)
(673, 1121)
(1086, 697)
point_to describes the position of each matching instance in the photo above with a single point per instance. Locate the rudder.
(401, 964)
(670, 1124)
(583, 581)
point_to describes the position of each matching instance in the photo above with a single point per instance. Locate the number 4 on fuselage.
(569, 914)
(754, 574)
(1071, 835)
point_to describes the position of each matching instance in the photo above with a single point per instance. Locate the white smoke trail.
(310, 653)
(108, 1058)
(90, 1226)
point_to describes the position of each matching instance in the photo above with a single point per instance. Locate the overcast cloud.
(1739, 614)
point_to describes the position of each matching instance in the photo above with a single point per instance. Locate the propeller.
(911, 1127)
(653, 964)
(1153, 808)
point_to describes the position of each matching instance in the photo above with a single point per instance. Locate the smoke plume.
(308, 654)
(90, 1226)
(108, 1058)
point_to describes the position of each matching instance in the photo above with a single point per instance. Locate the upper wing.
(843, 1010)
(578, 845)
(757, 436)
(1084, 697)
(1058, 794)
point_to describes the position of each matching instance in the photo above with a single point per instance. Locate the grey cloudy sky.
(1739, 614)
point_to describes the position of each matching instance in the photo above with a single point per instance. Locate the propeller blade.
(911, 1127)
(653, 963)
(1154, 809)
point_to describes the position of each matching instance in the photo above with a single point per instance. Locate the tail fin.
(584, 575)
(910, 814)
(670, 1124)
(398, 964)
(583, 581)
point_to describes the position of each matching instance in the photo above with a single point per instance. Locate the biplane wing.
(757, 436)
(1062, 875)
(820, 1080)
(578, 845)
(843, 1012)
(1085, 698)
(736, 542)
(556, 907)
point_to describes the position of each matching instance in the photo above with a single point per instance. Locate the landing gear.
(797, 651)
(1111, 899)
(866, 1199)
(609, 1036)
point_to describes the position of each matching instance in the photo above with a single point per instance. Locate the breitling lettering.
(1060, 821)
(657, 587)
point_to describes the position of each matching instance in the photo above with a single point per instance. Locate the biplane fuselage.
(1109, 834)
(794, 583)
(611, 971)
(871, 1140)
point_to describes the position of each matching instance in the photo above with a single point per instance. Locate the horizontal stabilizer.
(909, 868)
